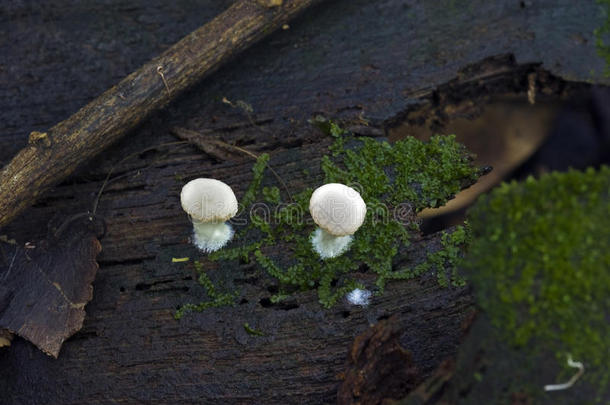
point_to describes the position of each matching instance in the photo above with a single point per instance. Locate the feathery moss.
(395, 180)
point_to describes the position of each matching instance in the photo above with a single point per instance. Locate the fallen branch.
(53, 155)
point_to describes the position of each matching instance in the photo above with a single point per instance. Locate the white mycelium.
(359, 297)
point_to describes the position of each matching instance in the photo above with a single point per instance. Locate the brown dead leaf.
(44, 290)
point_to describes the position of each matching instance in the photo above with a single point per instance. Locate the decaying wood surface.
(52, 156)
(378, 367)
(210, 356)
(353, 60)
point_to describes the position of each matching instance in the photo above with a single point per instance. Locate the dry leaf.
(44, 290)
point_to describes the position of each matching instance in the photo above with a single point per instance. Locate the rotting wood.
(131, 349)
(378, 367)
(53, 155)
(130, 332)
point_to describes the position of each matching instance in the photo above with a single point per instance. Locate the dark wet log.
(358, 60)
(211, 357)
(52, 156)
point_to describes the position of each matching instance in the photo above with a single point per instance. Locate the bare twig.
(247, 109)
(107, 179)
(211, 146)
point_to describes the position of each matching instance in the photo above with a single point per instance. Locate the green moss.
(603, 49)
(425, 174)
(540, 262)
(258, 169)
(216, 299)
(396, 180)
(251, 331)
(271, 195)
(445, 261)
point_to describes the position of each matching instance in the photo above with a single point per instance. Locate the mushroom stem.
(211, 236)
(327, 245)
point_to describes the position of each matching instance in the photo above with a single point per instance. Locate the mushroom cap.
(337, 208)
(208, 200)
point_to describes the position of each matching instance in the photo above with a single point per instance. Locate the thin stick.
(247, 109)
(106, 180)
(277, 176)
(208, 144)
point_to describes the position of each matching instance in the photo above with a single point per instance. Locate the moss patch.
(395, 180)
(601, 35)
(215, 298)
(540, 262)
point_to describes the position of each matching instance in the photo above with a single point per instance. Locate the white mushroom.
(339, 211)
(209, 203)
